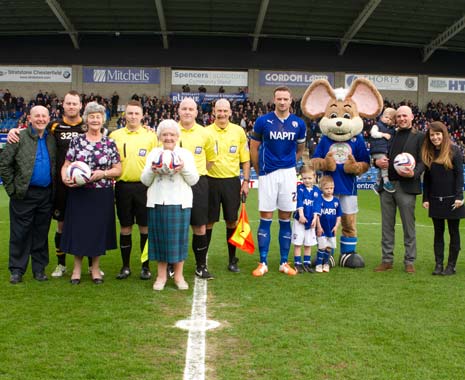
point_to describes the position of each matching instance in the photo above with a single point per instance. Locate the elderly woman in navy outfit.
(90, 213)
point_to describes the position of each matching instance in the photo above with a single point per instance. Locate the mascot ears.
(362, 93)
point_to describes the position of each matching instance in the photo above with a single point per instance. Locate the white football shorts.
(277, 190)
(325, 242)
(301, 236)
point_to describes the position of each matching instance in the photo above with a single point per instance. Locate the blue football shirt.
(279, 139)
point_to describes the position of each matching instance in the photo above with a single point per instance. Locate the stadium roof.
(423, 25)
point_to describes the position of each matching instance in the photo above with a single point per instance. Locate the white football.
(166, 161)
(404, 161)
(79, 172)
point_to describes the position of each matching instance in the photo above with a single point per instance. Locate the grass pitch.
(348, 324)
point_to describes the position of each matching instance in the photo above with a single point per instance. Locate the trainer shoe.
(286, 268)
(145, 274)
(123, 274)
(59, 271)
(202, 272)
(319, 269)
(299, 268)
(389, 187)
(376, 188)
(261, 270)
(326, 268)
(308, 268)
(170, 270)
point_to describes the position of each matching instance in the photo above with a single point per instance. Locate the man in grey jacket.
(27, 169)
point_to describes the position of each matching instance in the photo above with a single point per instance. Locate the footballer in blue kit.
(276, 144)
(279, 139)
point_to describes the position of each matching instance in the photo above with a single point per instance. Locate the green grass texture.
(347, 324)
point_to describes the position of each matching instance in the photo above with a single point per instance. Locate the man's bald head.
(37, 109)
(222, 112)
(187, 112)
(404, 117)
(39, 117)
(188, 102)
(224, 103)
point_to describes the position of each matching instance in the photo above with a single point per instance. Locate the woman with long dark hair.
(443, 192)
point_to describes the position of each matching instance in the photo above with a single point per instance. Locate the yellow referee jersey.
(201, 144)
(232, 149)
(133, 147)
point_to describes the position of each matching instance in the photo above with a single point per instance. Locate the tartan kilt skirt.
(168, 233)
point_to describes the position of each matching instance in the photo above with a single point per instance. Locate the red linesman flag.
(242, 236)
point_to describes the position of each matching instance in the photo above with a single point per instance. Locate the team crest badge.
(341, 152)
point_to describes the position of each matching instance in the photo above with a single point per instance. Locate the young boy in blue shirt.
(327, 224)
(305, 219)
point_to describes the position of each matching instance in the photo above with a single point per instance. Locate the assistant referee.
(224, 184)
(134, 143)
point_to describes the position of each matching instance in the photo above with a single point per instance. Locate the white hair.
(168, 124)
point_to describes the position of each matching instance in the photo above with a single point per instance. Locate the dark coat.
(17, 162)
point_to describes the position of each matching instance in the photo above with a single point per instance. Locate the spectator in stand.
(202, 89)
(221, 90)
(114, 104)
(186, 88)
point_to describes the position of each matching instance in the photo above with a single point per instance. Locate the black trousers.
(29, 225)
(454, 239)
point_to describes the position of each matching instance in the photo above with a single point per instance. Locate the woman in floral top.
(90, 216)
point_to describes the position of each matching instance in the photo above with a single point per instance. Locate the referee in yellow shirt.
(200, 143)
(224, 184)
(134, 143)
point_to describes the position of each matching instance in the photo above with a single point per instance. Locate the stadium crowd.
(14, 108)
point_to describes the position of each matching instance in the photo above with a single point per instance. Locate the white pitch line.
(197, 326)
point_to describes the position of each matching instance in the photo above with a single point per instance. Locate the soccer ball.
(166, 162)
(79, 172)
(351, 260)
(404, 161)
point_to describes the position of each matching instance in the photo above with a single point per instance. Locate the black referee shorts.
(224, 192)
(131, 203)
(199, 212)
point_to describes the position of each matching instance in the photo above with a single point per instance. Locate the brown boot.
(383, 267)
(409, 268)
